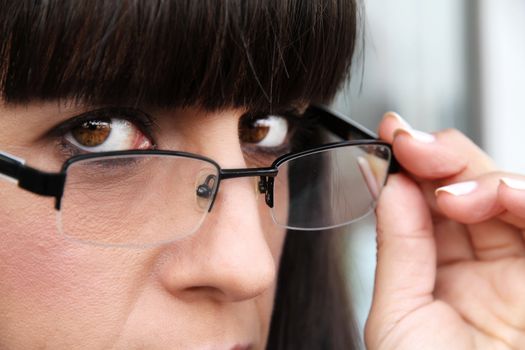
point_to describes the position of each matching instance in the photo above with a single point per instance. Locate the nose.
(231, 257)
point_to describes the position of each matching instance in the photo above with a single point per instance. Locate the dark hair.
(258, 54)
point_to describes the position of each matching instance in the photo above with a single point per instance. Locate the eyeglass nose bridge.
(265, 184)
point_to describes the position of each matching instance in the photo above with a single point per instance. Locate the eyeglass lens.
(136, 200)
(330, 188)
(149, 199)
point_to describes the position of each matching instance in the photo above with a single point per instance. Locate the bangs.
(174, 53)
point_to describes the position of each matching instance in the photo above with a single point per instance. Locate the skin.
(211, 290)
(450, 273)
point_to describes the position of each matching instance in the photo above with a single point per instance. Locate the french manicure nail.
(417, 135)
(459, 189)
(513, 183)
(400, 120)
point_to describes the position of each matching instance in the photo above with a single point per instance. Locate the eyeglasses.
(150, 197)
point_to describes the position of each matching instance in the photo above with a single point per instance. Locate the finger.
(513, 220)
(477, 203)
(447, 155)
(511, 194)
(390, 123)
(452, 242)
(451, 156)
(472, 201)
(406, 257)
(494, 239)
(492, 195)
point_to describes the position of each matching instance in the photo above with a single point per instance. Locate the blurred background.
(439, 64)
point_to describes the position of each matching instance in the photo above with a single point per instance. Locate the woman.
(156, 257)
(86, 77)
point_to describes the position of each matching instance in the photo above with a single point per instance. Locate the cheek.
(28, 232)
(49, 283)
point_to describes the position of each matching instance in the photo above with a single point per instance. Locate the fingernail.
(417, 135)
(459, 189)
(400, 120)
(513, 183)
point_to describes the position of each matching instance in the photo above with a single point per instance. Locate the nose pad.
(265, 186)
(205, 188)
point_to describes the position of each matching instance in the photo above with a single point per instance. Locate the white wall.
(502, 44)
(415, 63)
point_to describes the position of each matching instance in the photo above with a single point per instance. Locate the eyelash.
(144, 122)
(299, 133)
(292, 124)
(299, 137)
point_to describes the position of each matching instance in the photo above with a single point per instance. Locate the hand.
(450, 263)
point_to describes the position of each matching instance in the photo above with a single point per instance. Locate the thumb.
(406, 257)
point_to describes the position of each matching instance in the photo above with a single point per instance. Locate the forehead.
(170, 53)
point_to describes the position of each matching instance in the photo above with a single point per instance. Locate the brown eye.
(107, 134)
(92, 133)
(270, 131)
(251, 130)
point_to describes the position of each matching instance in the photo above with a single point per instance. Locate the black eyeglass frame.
(52, 184)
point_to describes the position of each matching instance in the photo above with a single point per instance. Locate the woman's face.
(213, 289)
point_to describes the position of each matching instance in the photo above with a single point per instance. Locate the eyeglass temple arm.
(341, 125)
(46, 184)
(348, 129)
